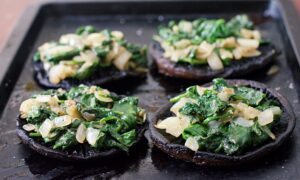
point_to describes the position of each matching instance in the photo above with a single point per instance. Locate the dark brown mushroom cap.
(169, 145)
(99, 77)
(82, 152)
(203, 72)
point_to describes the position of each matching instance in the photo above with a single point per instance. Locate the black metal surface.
(139, 20)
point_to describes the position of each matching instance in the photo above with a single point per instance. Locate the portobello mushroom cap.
(282, 131)
(204, 72)
(99, 77)
(82, 152)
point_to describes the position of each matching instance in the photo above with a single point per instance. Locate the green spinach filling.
(215, 42)
(78, 55)
(222, 118)
(83, 115)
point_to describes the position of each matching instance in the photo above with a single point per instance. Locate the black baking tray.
(138, 19)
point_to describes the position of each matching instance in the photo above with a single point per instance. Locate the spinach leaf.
(85, 30)
(66, 140)
(237, 138)
(219, 84)
(237, 23)
(248, 95)
(128, 106)
(38, 114)
(194, 130)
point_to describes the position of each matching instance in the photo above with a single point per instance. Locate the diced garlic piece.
(224, 54)
(276, 110)
(46, 65)
(182, 43)
(26, 107)
(175, 29)
(177, 106)
(237, 53)
(177, 54)
(62, 121)
(240, 52)
(228, 43)
(225, 93)
(92, 135)
(117, 49)
(59, 72)
(43, 98)
(192, 143)
(95, 39)
(81, 133)
(256, 35)
(121, 61)
(167, 47)
(249, 43)
(101, 98)
(265, 117)
(117, 34)
(246, 33)
(185, 26)
(204, 50)
(52, 101)
(29, 127)
(71, 109)
(251, 53)
(173, 125)
(246, 111)
(46, 128)
(214, 62)
(201, 90)
(72, 40)
(46, 46)
(250, 34)
(243, 122)
(273, 70)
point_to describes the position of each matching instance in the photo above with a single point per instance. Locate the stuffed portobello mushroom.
(204, 49)
(80, 124)
(225, 122)
(88, 57)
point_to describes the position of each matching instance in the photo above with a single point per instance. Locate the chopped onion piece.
(101, 98)
(117, 34)
(92, 135)
(204, 50)
(29, 127)
(265, 117)
(249, 43)
(276, 110)
(121, 61)
(182, 43)
(46, 128)
(62, 121)
(177, 106)
(243, 122)
(224, 54)
(72, 40)
(247, 111)
(81, 133)
(26, 107)
(214, 62)
(173, 125)
(228, 43)
(192, 143)
(95, 39)
(225, 94)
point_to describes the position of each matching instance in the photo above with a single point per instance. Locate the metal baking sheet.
(139, 20)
